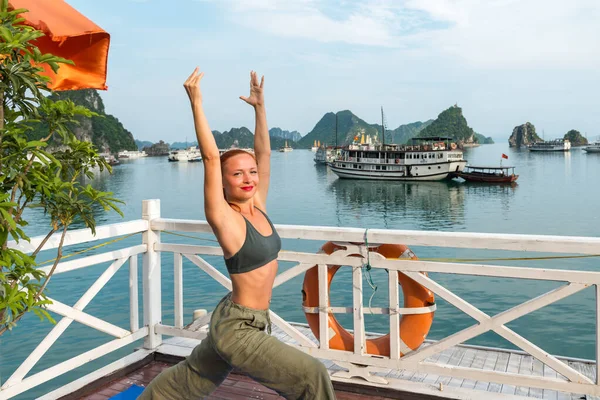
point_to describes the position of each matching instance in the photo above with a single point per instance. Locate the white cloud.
(491, 34)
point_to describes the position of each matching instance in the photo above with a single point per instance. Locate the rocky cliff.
(157, 149)
(280, 133)
(451, 123)
(523, 135)
(104, 131)
(576, 138)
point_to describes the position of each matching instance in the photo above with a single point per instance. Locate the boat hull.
(548, 150)
(423, 172)
(592, 149)
(486, 178)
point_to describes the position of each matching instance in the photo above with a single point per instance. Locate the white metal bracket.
(358, 371)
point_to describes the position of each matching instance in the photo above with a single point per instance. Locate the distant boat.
(327, 155)
(592, 147)
(427, 159)
(185, 155)
(131, 154)
(551, 145)
(315, 147)
(236, 146)
(285, 148)
(472, 173)
(110, 159)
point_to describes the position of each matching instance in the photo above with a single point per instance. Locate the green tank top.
(256, 251)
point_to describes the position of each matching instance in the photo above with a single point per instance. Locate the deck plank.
(538, 370)
(420, 376)
(501, 365)
(488, 365)
(526, 368)
(478, 363)
(549, 394)
(514, 362)
(466, 362)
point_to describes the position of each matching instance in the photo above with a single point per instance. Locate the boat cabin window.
(383, 167)
(377, 167)
(440, 155)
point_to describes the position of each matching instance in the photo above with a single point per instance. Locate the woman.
(235, 198)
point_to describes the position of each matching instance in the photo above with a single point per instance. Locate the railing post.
(151, 276)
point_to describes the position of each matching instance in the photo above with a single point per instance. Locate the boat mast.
(336, 122)
(382, 130)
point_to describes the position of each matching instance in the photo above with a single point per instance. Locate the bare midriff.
(253, 289)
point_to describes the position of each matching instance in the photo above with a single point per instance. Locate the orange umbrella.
(70, 35)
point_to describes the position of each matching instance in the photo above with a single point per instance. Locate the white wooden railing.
(19, 382)
(152, 225)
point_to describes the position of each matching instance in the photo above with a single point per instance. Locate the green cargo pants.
(236, 339)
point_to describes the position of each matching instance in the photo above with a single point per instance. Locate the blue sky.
(505, 62)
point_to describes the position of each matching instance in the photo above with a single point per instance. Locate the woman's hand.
(192, 86)
(256, 97)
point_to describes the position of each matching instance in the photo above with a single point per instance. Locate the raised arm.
(262, 143)
(215, 205)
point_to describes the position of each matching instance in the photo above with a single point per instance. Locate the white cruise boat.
(551, 145)
(131, 154)
(327, 154)
(285, 148)
(592, 147)
(428, 159)
(189, 154)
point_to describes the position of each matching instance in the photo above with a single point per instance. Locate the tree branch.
(41, 290)
(56, 261)
(39, 248)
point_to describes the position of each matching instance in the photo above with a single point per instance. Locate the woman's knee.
(319, 370)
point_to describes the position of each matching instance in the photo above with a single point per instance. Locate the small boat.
(197, 158)
(592, 147)
(285, 148)
(487, 174)
(110, 159)
(551, 145)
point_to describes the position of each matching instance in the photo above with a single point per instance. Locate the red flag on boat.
(70, 35)
(504, 156)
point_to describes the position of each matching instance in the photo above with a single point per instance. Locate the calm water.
(556, 194)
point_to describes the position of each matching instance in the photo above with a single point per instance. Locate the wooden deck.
(235, 387)
(400, 384)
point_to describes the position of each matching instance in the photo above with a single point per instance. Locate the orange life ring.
(453, 146)
(413, 327)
